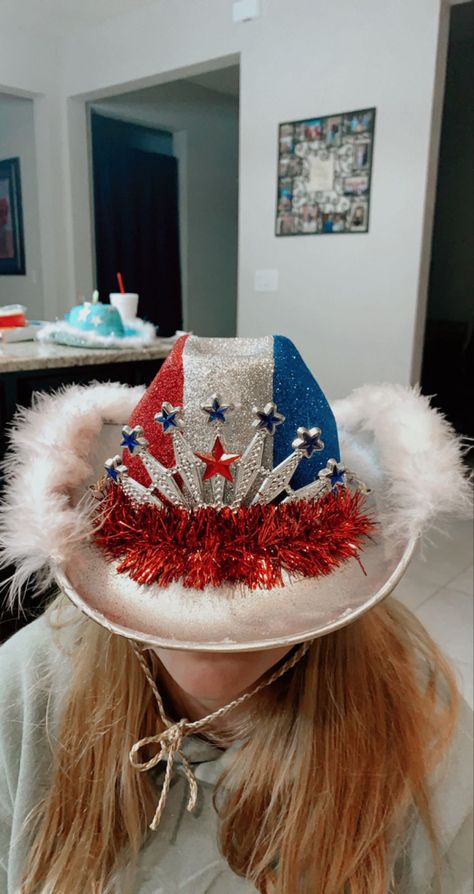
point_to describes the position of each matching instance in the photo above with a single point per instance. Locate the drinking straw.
(120, 283)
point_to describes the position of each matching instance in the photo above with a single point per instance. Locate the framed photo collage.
(324, 174)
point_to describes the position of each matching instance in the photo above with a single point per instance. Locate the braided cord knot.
(169, 742)
(170, 739)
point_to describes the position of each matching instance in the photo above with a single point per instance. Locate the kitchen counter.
(29, 367)
(29, 355)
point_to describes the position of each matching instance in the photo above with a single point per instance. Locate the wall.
(350, 303)
(30, 67)
(17, 139)
(205, 124)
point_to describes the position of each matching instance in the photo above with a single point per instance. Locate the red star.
(218, 462)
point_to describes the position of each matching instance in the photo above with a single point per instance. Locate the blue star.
(112, 473)
(215, 410)
(308, 440)
(132, 438)
(333, 475)
(129, 441)
(268, 418)
(114, 469)
(169, 417)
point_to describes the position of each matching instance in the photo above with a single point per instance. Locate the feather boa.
(408, 453)
(61, 332)
(390, 437)
(51, 455)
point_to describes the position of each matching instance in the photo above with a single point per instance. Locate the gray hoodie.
(183, 855)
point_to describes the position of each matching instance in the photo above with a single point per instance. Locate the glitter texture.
(240, 371)
(167, 382)
(300, 399)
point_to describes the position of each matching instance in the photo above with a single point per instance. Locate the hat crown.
(245, 376)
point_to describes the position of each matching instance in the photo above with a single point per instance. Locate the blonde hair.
(316, 799)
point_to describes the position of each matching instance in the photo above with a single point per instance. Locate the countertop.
(24, 355)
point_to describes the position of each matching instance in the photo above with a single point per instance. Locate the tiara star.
(133, 438)
(268, 418)
(333, 474)
(170, 417)
(115, 469)
(308, 440)
(215, 410)
(218, 461)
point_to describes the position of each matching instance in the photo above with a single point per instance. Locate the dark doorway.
(135, 184)
(449, 346)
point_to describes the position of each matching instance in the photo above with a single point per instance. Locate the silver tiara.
(221, 477)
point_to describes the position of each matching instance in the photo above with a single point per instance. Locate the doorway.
(182, 258)
(135, 183)
(449, 333)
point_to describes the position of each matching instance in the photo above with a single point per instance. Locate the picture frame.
(12, 243)
(324, 174)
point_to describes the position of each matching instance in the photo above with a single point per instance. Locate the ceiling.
(224, 80)
(60, 16)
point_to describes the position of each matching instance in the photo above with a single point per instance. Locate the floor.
(438, 587)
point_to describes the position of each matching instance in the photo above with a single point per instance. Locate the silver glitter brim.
(230, 619)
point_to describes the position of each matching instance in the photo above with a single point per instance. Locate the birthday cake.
(94, 324)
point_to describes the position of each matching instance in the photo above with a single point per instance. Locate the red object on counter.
(11, 320)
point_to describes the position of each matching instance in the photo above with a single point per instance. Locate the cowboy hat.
(243, 511)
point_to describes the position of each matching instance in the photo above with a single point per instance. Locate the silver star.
(114, 469)
(96, 320)
(133, 438)
(333, 474)
(170, 417)
(268, 419)
(307, 441)
(215, 409)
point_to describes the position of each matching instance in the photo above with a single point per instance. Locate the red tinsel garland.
(252, 545)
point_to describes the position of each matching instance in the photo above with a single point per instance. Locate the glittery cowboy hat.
(241, 512)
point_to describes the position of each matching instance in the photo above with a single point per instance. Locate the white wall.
(351, 303)
(17, 140)
(30, 67)
(205, 124)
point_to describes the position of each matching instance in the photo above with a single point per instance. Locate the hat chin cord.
(171, 738)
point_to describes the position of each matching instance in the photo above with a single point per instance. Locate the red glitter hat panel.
(166, 386)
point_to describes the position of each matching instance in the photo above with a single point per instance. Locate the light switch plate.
(266, 280)
(245, 10)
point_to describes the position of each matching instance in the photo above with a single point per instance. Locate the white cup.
(126, 304)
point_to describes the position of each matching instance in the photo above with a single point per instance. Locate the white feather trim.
(390, 437)
(50, 457)
(61, 332)
(408, 452)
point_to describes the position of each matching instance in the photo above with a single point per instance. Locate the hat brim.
(230, 618)
(139, 334)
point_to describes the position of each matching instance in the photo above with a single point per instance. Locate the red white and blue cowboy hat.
(235, 508)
